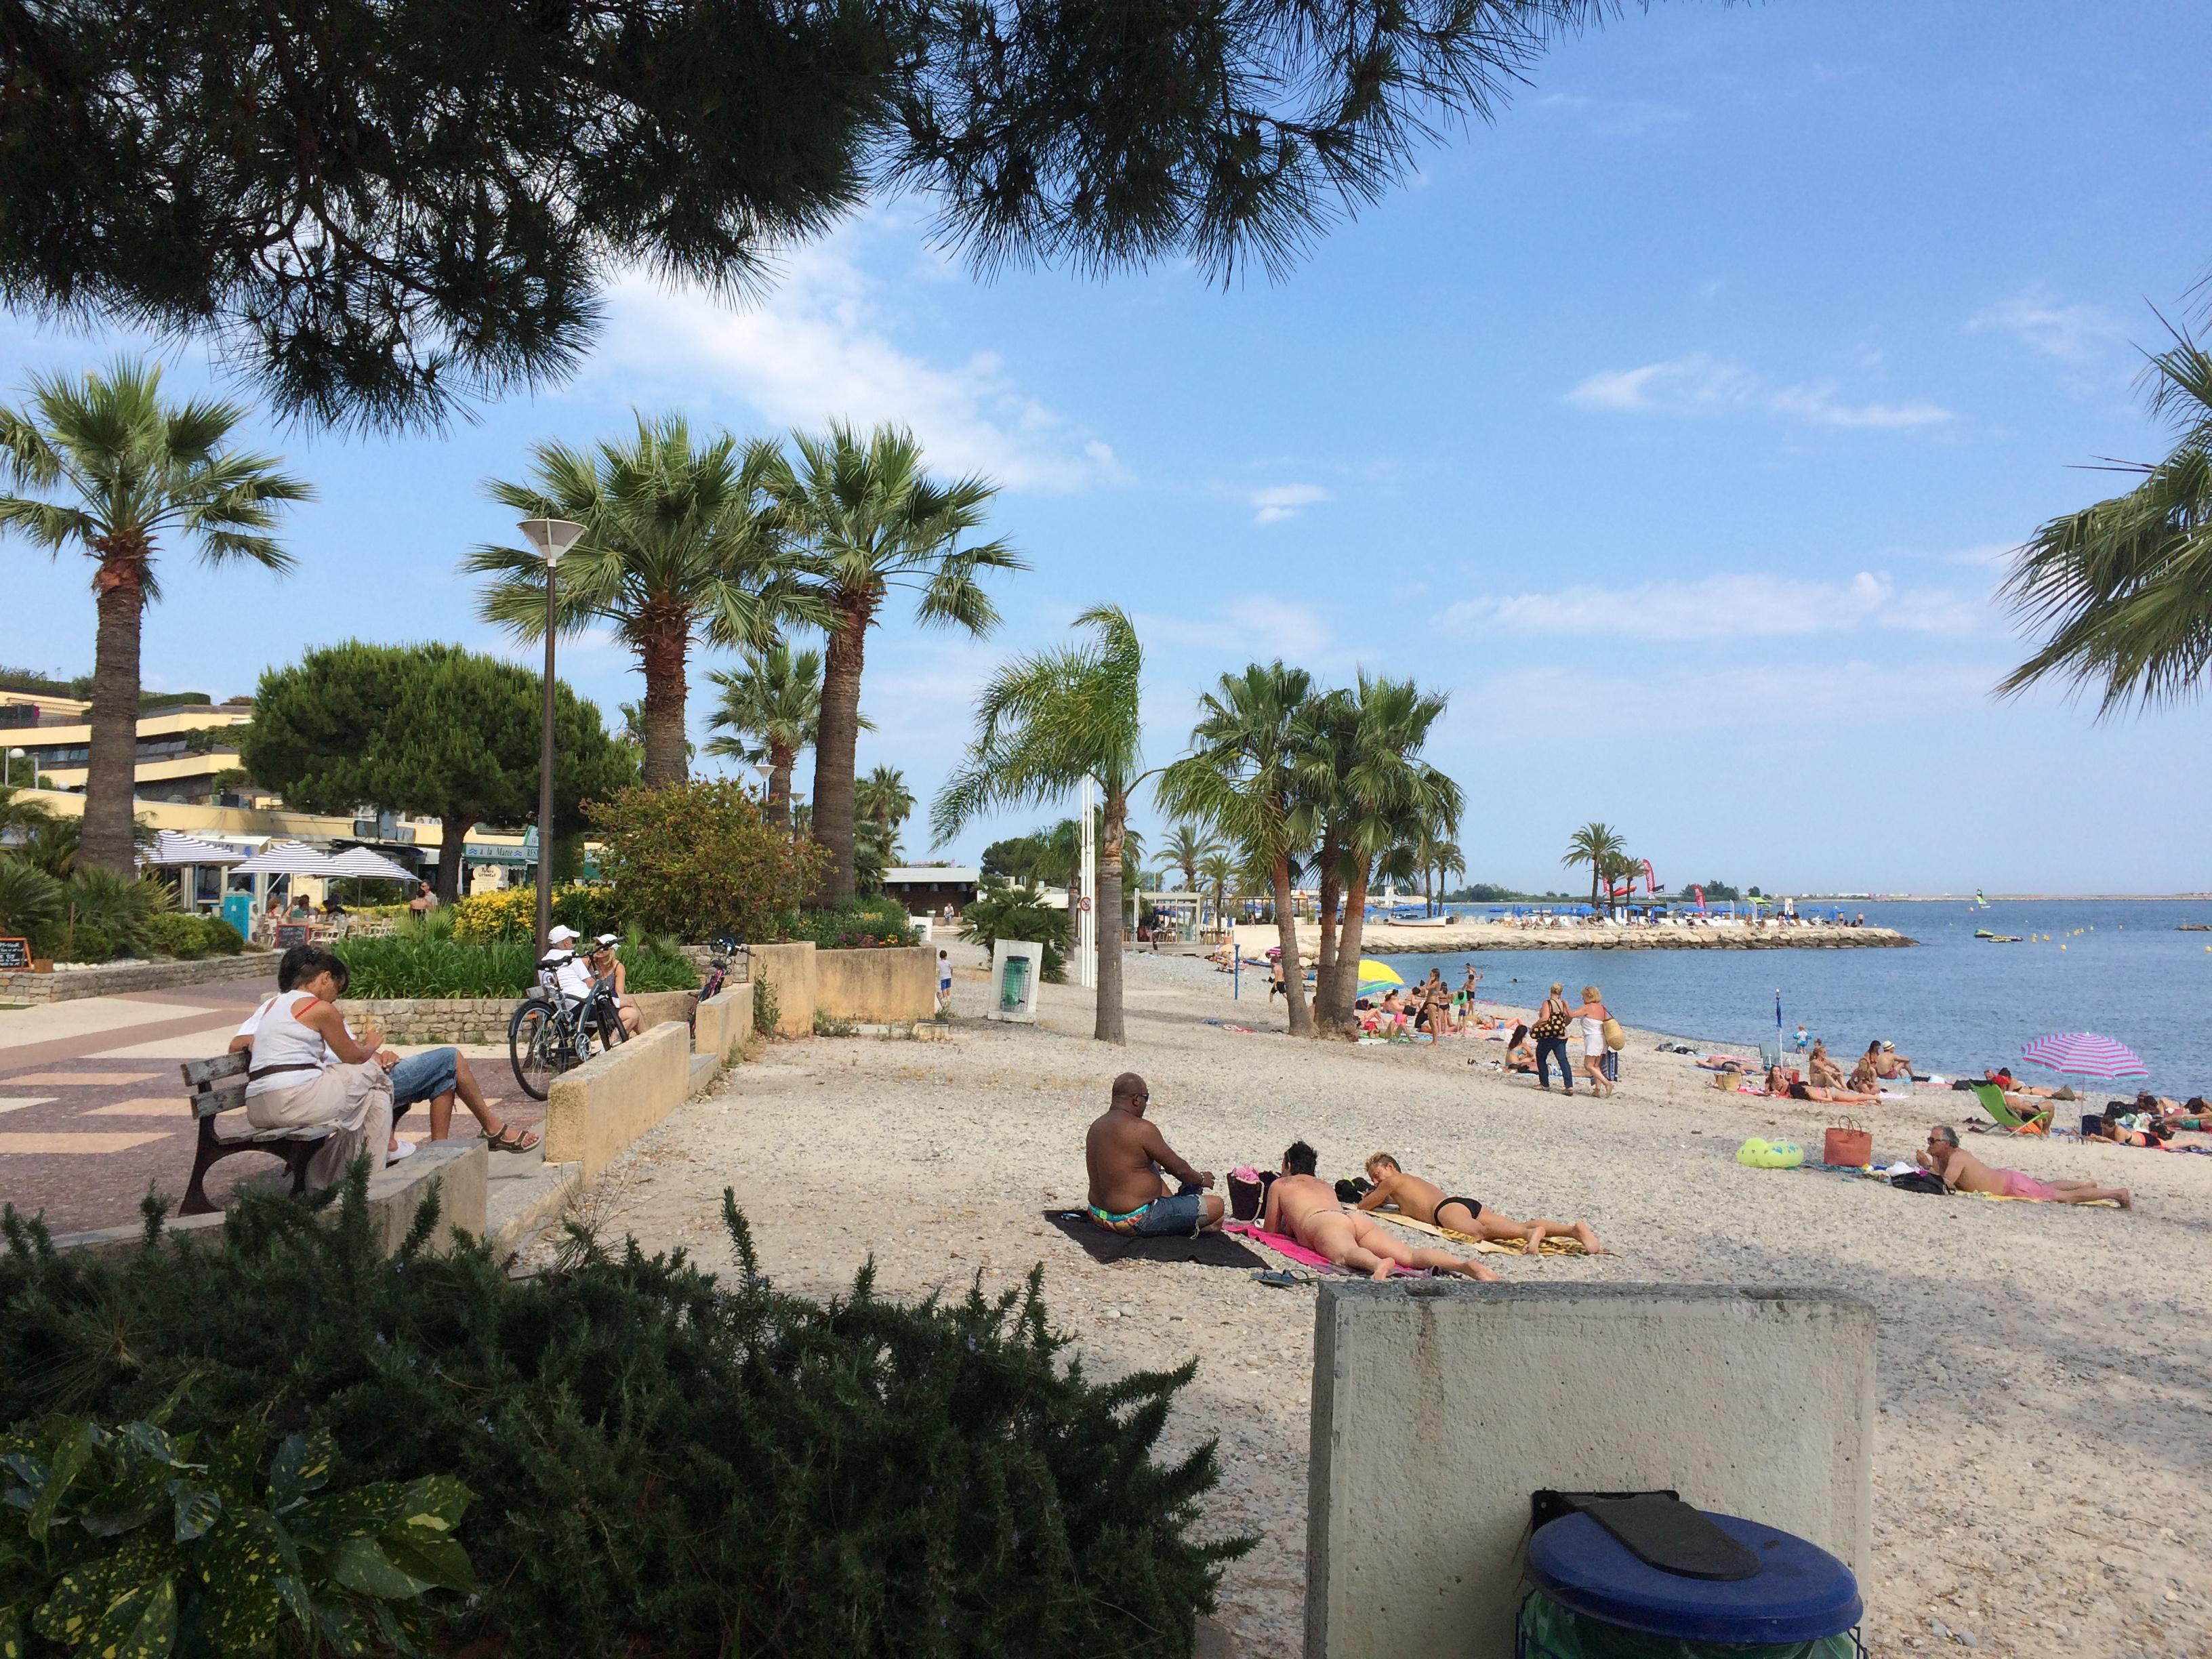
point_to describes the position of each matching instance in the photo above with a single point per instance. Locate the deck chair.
(1993, 1102)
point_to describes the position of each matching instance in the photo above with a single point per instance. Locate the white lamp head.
(551, 537)
(766, 768)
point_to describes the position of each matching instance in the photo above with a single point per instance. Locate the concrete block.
(119, 1242)
(519, 1210)
(876, 987)
(789, 971)
(717, 1030)
(1438, 1409)
(596, 1110)
(658, 1007)
(457, 1170)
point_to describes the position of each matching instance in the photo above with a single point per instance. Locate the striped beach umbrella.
(2084, 1053)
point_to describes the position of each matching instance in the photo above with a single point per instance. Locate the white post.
(1087, 919)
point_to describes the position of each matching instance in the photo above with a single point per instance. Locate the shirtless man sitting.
(1124, 1156)
(1424, 1201)
(1306, 1208)
(1963, 1172)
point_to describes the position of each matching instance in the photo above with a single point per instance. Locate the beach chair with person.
(2019, 1114)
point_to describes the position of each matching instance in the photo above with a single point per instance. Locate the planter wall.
(16, 985)
(788, 970)
(595, 1111)
(890, 985)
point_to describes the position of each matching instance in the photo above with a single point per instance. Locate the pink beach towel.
(1283, 1245)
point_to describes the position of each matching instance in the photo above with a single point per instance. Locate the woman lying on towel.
(1779, 1086)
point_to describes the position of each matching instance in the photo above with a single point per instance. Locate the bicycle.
(547, 1033)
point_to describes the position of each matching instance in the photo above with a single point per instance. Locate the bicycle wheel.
(608, 1018)
(534, 1048)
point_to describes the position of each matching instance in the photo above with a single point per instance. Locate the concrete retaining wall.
(1437, 1409)
(457, 1171)
(725, 1023)
(789, 972)
(478, 1019)
(884, 986)
(595, 1111)
(16, 985)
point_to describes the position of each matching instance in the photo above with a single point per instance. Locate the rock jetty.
(1387, 938)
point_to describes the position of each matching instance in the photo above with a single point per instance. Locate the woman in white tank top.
(308, 1069)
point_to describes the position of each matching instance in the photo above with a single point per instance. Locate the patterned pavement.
(93, 1110)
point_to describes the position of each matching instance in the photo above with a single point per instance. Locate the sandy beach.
(2045, 1427)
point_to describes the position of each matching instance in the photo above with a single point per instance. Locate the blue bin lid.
(1800, 1593)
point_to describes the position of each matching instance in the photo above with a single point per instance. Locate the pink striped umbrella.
(2084, 1053)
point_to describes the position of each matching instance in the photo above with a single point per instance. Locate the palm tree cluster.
(1600, 846)
(703, 543)
(1301, 781)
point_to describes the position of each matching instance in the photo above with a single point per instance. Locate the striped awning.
(361, 861)
(172, 847)
(286, 858)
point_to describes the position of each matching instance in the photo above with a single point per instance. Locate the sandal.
(513, 1138)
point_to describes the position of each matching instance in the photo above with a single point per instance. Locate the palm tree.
(2124, 586)
(680, 548)
(19, 813)
(1219, 871)
(132, 470)
(1594, 844)
(1240, 778)
(1384, 795)
(1190, 844)
(882, 797)
(1044, 723)
(771, 709)
(871, 519)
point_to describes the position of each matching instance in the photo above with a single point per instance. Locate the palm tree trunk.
(1340, 1014)
(1108, 1026)
(112, 768)
(453, 827)
(662, 655)
(835, 744)
(1332, 894)
(1287, 937)
(780, 761)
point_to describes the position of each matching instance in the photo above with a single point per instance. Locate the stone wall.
(725, 1023)
(1438, 1409)
(411, 1020)
(596, 1110)
(890, 985)
(788, 971)
(19, 985)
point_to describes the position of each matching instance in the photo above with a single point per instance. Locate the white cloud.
(1748, 605)
(1614, 118)
(1277, 503)
(1700, 384)
(2074, 333)
(820, 346)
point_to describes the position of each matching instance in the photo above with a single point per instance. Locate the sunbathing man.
(1124, 1156)
(1963, 1172)
(1424, 1201)
(1306, 1208)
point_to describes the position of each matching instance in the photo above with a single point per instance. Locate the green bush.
(222, 938)
(30, 899)
(123, 1542)
(101, 915)
(663, 1463)
(857, 924)
(172, 933)
(426, 961)
(765, 1011)
(698, 859)
(999, 913)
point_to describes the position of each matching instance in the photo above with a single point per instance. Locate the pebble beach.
(2044, 1433)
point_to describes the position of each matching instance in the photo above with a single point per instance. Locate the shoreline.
(1383, 938)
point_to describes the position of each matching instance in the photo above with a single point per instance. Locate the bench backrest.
(217, 1084)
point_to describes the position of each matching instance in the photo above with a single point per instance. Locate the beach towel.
(1205, 1250)
(1482, 1246)
(1227, 1025)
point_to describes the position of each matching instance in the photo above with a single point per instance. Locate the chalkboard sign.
(15, 953)
(289, 933)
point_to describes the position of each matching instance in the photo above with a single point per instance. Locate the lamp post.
(15, 755)
(551, 537)
(766, 770)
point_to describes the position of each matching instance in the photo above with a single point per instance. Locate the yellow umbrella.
(1372, 972)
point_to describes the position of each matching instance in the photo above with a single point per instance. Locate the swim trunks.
(1474, 1213)
(2017, 1185)
(1162, 1217)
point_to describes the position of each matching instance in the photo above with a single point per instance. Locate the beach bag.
(1847, 1145)
(1244, 1197)
(1615, 1038)
(1551, 1026)
(1918, 1181)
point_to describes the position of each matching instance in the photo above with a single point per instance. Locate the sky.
(1677, 425)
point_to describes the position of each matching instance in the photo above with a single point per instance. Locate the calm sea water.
(1952, 1002)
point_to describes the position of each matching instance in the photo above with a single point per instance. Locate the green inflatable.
(1769, 1154)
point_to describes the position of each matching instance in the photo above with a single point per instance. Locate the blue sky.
(1676, 426)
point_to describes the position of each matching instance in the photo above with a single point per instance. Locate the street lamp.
(766, 770)
(551, 537)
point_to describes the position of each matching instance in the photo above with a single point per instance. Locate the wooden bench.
(218, 1086)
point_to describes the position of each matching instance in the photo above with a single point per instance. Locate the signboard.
(15, 953)
(289, 933)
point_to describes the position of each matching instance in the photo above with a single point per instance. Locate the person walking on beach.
(1550, 1030)
(1593, 1015)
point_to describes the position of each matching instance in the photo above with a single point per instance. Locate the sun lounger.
(1993, 1102)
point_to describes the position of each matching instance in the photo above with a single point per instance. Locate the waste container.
(1592, 1597)
(1014, 983)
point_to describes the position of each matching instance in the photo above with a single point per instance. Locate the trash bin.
(1014, 983)
(1591, 1596)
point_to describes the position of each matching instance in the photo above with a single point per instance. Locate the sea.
(1953, 1003)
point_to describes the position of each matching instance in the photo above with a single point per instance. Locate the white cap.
(608, 940)
(559, 935)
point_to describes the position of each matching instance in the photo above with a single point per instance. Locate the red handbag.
(1847, 1145)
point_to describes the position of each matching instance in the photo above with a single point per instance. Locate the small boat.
(1419, 922)
(2193, 928)
(1997, 939)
